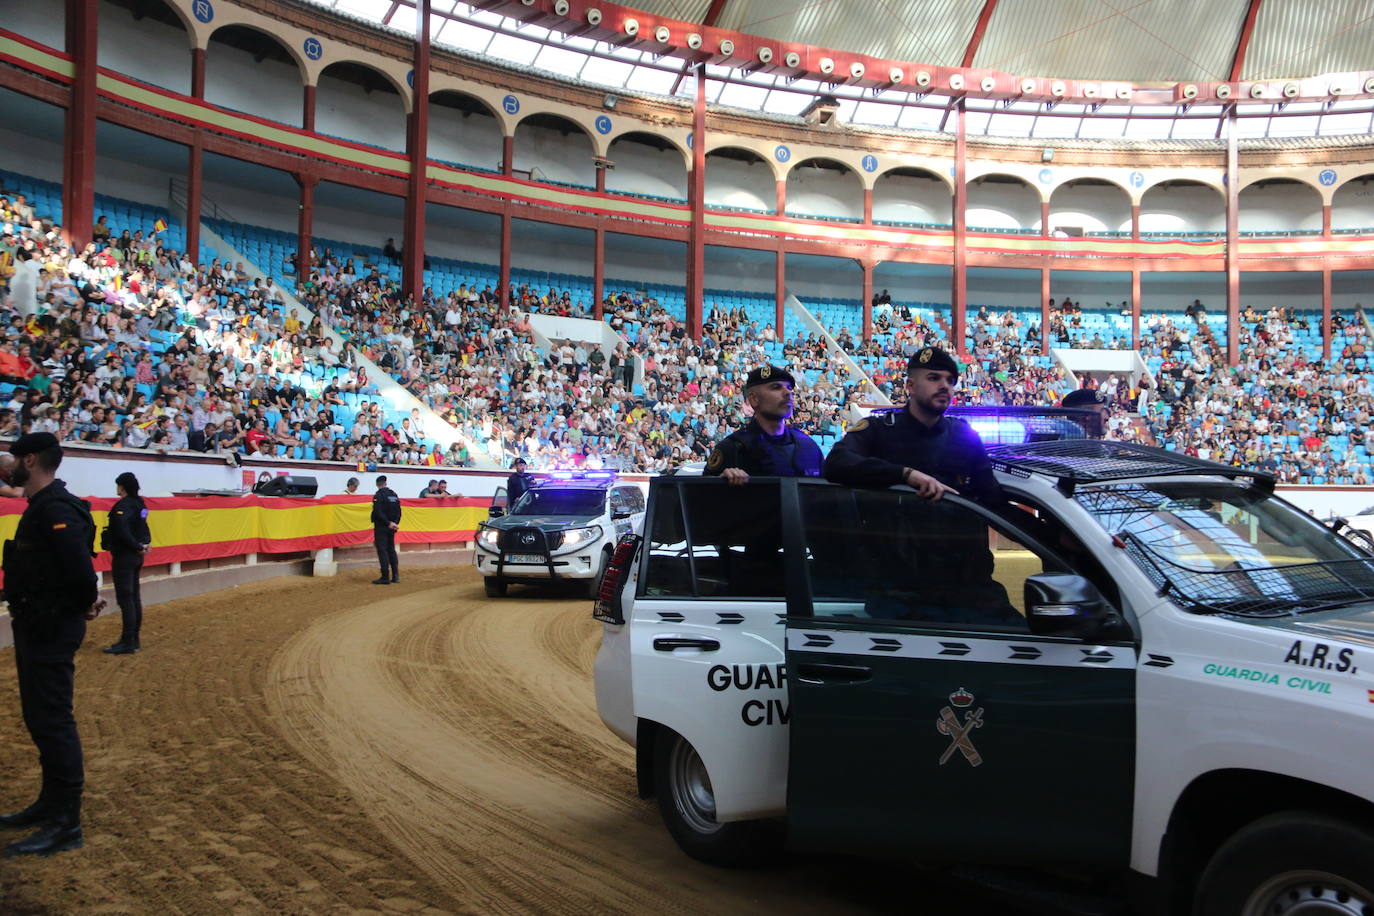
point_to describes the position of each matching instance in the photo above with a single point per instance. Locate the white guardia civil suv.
(1146, 667)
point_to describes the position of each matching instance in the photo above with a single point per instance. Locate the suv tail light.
(608, 604)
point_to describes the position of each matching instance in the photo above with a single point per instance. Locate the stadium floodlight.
(765, 55)
(631, 27)
(727, 48)
(1224, 91)
(694, 41)
(923, 78)
(793, 59)
(856, 70)
(1059, 89)
(1291, 90)
(988, 84)
(827, 65)
(661, 34)
(593, 16)
(956, 81)
(560, 7)
(895, 74)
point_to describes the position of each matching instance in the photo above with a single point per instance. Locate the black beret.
(33, 443)
(932, 358)
(1083, 398)
(765, 374)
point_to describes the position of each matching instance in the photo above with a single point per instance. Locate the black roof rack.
(1078, 461)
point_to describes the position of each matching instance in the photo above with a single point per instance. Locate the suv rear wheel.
(688, 806)
(496, 586)
(594, 583)
(1289, 864)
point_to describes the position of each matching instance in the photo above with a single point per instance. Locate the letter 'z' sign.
(958, 732)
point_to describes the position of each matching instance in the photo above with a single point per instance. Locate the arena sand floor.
(323, 746)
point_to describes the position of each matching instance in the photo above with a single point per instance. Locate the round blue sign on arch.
(203, 10)
(1137, 179)
(313, 47)
(410, 78)
(1046, 176)
(1327, 177)
(869, 163)
(511, 105)
(782, 153)
(603, 124)
(690, 138)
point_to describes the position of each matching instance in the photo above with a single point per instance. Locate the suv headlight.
(577, 538)
(487, 538)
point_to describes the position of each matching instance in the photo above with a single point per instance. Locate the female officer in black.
(127, 538)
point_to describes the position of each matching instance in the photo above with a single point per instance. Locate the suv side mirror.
(496, 512)
(1063, 604)
(621, 512)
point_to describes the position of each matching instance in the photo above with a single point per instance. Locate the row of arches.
(251, 70)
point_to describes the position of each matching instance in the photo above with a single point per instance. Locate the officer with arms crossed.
(386, 519)
(127, 538)
(50, 586)
(766, 446)
(517, 483)
(919, 446)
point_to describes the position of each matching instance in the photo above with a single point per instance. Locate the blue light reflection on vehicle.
(999, 431)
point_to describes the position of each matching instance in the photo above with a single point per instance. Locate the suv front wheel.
(496, 586)
(688, 806)
(1291, 863)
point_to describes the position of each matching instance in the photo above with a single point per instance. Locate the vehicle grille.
(529, 539)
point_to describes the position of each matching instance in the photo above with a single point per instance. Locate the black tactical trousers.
(43, 652)
(125, 571)
(385, 541)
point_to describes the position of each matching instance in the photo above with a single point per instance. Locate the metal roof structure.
(1154, 42)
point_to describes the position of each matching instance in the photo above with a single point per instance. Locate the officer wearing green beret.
(766, 446)
(918, 445)
(51, 589)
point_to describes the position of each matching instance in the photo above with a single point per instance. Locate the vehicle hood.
(543, 522)
(1354, 624)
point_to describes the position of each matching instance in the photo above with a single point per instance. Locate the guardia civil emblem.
(925, 356)
(958, 730)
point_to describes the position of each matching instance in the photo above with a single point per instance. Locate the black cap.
(1083, 398)
(765, 374)
(33, 443)
(932, 358)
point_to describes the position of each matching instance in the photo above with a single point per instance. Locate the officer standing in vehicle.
(766, 446)
(386, 520)
(918, 445)
(1089, 399)
(127, 539)
(51, 589)
(517, 484)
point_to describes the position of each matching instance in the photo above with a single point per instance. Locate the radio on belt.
(1148, 667)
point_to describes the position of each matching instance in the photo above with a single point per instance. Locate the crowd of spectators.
(128, 343)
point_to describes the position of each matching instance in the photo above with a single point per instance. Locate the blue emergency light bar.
(1018, 425)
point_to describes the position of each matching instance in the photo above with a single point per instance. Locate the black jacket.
(875, 450)
(516, 486)
(386, 507)
(128, 528)
(48, 563)
(792, 454)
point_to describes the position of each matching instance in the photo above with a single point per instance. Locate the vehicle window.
(891, 555)
(561, 502)
(1228, 548)
(710, 540)
(627, 499)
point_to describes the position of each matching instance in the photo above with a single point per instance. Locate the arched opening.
(360, 103)
(825, 189)
(147, 40)
(1352, 206)
(646, 164)
(464, 131)
(1280, 206)
(911, 197)
(1002, 203)
(739, 179)
(251, 71)
(552, 148)
(1090, 206)
(1182, 209)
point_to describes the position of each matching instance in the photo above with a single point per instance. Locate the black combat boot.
(123, 647)
(62, 831)
(29, 817)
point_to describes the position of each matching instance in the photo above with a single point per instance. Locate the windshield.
(561, 502)
(1230, 548)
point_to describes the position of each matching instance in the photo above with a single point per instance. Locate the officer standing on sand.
(50, 586)
(386, 520)
(766, 446)
(127, 538)
(517, 484)
(918, 445)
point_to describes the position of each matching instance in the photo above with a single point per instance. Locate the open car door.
(925, 718)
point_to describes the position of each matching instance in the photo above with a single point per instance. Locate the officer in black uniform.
(50, 586)
(766, 446)
(1089, 399)
(127, 539)
(517, 484)
(386, 519)
(918, 445)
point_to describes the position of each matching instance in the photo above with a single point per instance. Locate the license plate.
(524, 558)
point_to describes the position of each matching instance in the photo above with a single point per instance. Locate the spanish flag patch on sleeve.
(59, 526)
